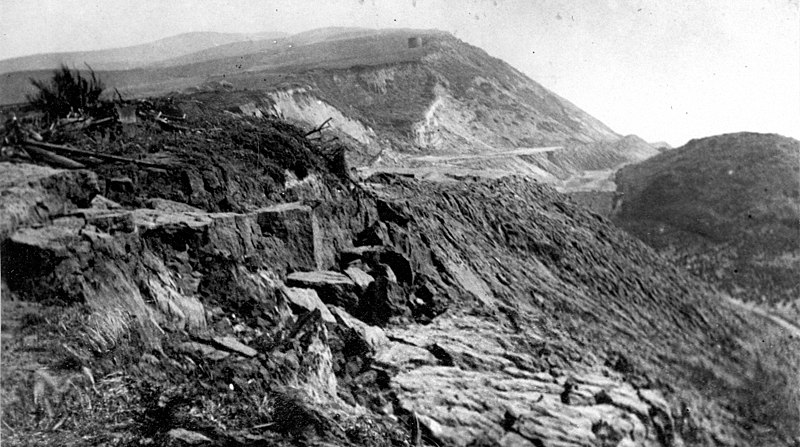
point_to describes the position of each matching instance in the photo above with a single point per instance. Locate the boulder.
(360, 277)
(333, 288)
(309, 300)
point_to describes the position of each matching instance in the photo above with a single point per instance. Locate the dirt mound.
(727, 208)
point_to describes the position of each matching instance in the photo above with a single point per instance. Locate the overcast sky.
(663, 70)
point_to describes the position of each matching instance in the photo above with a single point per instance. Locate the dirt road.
(486, 156)
(793, 328)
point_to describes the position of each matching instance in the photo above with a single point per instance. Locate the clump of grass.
(67, 91)
(102, 331)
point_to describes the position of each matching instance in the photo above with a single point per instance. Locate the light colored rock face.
(360, 277)
(302, 105)
(308, 300)
(470, 387)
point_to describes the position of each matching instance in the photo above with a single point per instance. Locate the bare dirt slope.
(248, 292)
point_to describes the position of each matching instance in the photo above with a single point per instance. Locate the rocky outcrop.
(32, 194)
(468, 392)
(489, 313)
(114, 258)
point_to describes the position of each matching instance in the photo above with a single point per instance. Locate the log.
(53, 159)
(82, 153)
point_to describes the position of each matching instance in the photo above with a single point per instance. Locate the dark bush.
(67, 91)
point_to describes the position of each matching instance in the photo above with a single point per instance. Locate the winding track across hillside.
(487, 156)
(793, 328)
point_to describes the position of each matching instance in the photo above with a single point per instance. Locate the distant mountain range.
(135, 56)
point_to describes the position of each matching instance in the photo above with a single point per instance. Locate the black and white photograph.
(400, 223)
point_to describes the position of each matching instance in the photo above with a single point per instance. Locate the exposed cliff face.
(456, 99)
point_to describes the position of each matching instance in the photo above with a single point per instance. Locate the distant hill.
(270, 44)
(728, 207)
(410, 90)
(131, 57)
(444, 96)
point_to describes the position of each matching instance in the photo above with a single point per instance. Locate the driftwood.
(53, 159)
(82, 153)
(318, 129)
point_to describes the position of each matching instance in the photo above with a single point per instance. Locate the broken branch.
(318, 129)
(79, 152)
(53, 159)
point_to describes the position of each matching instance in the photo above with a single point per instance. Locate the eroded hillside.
(235, 286)
(439, 95)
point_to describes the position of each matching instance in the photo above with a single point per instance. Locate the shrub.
(67, 91)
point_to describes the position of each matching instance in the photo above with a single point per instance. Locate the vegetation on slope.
(728, 207)
(66, 92)
(374, 76)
